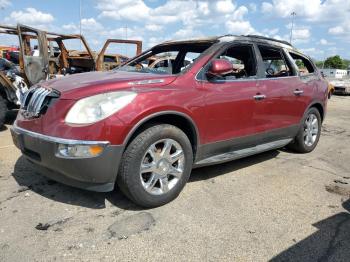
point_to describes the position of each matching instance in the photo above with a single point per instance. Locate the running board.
(243, 153)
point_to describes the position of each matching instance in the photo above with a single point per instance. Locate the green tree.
(346, 63)
(300, 63)
(334, 62)
(319, 64)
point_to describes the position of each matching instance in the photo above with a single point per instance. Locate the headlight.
(95, 108)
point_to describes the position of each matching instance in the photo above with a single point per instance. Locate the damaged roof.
(229, 38)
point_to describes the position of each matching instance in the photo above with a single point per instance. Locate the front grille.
(36, 101)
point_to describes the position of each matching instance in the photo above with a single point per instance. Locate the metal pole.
(80, 22)
(293, 14)
(80, 17)
(126, 37)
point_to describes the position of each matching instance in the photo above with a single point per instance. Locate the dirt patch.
(332, 130)
(340, 187)
(55, 223)
(130, 225)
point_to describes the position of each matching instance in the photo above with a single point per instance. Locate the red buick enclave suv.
(145, 128)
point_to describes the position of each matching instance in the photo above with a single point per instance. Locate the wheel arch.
(319, 107)
(178, 119)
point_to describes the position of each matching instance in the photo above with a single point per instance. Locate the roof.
(229, 38)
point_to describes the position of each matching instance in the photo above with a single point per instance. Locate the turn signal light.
(79, 151)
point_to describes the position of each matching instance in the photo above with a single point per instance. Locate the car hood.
(87, 84)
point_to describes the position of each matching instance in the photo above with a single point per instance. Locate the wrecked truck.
(46, 55)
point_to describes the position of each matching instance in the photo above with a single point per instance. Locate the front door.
(110, 56)
(230, 102)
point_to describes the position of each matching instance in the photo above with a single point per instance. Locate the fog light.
(79, 151)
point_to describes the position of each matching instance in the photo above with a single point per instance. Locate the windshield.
(169, 59)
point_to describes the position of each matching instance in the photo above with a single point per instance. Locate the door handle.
(259, 97)
(298, 92)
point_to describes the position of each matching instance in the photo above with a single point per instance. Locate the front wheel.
(309, 132)
(156, 166)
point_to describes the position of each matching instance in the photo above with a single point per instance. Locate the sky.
(321, 27)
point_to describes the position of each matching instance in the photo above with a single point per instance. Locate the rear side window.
(304, 65)
(274, 63)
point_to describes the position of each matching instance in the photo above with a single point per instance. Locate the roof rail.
(270, 39)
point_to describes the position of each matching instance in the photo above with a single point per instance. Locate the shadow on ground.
(209, 172)
(331, 241)
(10, 118)
(28, 179)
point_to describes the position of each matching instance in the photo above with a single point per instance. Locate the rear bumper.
(95, 173)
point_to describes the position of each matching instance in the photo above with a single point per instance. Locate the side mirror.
(219, 67)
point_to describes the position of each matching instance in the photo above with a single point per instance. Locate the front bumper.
(342, 90)
(95, 173)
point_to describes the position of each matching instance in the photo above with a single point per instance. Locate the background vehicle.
(46, 55)
(146, 128)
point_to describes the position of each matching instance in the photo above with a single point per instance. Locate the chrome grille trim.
(34, 99)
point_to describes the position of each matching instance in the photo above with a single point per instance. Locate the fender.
(168, 112)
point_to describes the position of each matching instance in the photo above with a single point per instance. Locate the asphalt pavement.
(277, 206)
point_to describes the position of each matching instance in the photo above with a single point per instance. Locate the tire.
(155, 148)
(3, 111)
(302, 143)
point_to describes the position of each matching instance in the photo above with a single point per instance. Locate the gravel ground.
(276, 206)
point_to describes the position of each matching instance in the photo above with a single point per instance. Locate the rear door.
(34, 51)
(278, 115)
(307, 81)
(110, 57)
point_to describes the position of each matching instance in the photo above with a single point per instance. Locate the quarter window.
(304, 65)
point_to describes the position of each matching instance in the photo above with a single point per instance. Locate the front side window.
(274, 63)
(243, 62)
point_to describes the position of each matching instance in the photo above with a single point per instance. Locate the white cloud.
(71, 27)
(253, 7)
(324, 42)
(311, 10)
(193, 17)
(154, 27)
(336, 30)
(301, 33)
(313, 52)
(239, 27)
(225, 6)
(187, 32)
(90, 24)
(30, 16)
(133, 10)
(189, 13)
(152, 41)
(4, 4)
(266, 7)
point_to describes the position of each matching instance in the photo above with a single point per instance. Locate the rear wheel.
(156, 166)
(309, 133)
(3, 111)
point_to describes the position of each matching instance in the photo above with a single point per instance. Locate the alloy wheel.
(310, 130)
(162, 166)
